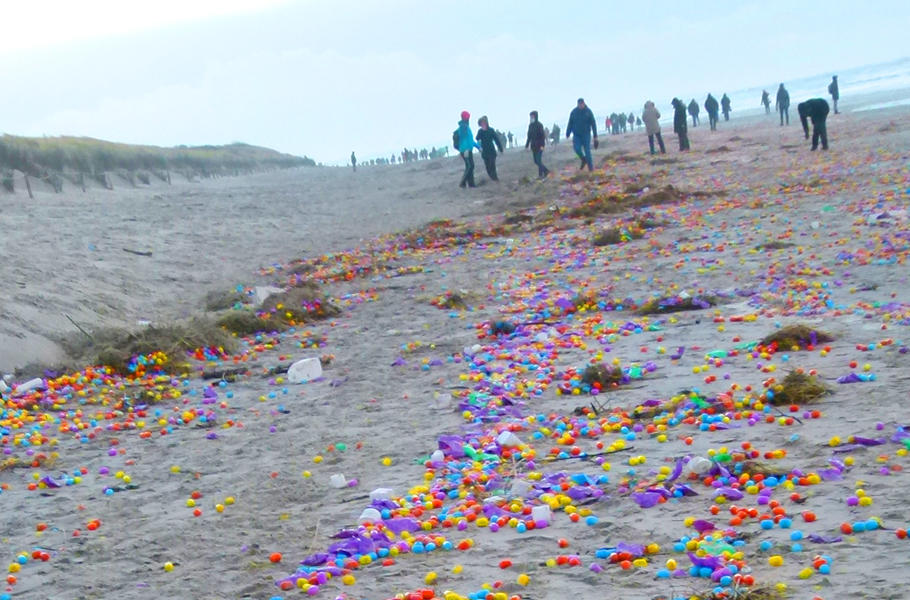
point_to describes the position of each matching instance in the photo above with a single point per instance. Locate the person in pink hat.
(463, 140)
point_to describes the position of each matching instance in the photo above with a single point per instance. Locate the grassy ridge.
(46, 156)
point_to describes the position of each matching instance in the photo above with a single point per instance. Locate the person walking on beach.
(651, 116)
(489, 141)
(693, 111)
(555, 131)
(815, 109)
(711, 107)
(783, 104)
(766, 101)
(353, 161)
(581, 125)
(536, 140)
(834, 91)
(464, 140)
(679, 124)
(725, 107)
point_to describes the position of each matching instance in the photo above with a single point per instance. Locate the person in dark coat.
(711, 107)
(537, 139)
(631, 121)
(783, 104)
(353, 160)
(581, 124)
(489, 140)
(679, 124)
(693, 111)
(725, 107)
(815, 109)
(834, 91)
(766, 101)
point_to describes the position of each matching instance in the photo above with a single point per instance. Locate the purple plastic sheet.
(868, 441)
(646, 499)
(729, 493)
(452, 445)
(633, 549)
(401, 524)
(850, 378)
(579, 493)
(821, 539)
(712, 562)
(702, 526)
(686, 490)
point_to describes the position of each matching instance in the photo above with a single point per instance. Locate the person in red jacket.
(537, 139)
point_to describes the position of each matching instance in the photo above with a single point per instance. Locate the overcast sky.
(324, 77)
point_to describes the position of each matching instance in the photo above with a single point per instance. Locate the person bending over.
(815, 109)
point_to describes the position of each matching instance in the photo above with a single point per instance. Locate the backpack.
(455, 139)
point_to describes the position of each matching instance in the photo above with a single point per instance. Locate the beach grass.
(41, 156)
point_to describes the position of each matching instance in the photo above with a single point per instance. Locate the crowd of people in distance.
(582, 128)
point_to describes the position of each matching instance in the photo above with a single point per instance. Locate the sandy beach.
(680, 480)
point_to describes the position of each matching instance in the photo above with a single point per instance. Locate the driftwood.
(137, 252)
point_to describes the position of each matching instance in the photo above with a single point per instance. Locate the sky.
(323, 77)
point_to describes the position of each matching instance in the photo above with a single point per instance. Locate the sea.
(859, 88)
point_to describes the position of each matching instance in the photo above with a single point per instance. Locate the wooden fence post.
(28, 186)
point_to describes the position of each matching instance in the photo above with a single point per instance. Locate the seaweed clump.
(798, 388)
(795, 337)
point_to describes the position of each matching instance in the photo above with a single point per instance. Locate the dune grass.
(43, 156)
(116, 347)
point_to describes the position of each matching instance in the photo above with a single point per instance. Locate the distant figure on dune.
(463, 139)
(489, 142)
(725, 107)
(693, 111)
(711, 107)
(536, 141)
(679, 124)
(766, 101)
(353, 161)
(581, 125)
(783, 104)
(638, 122)
(834, 91)
(555, 131)
(631, 121)
(651, 116)
(510, 138)
(815, 109)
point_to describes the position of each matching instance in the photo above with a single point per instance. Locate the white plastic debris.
(305, 370)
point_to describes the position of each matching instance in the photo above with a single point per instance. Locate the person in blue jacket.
(582, 123)
(466, 145)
